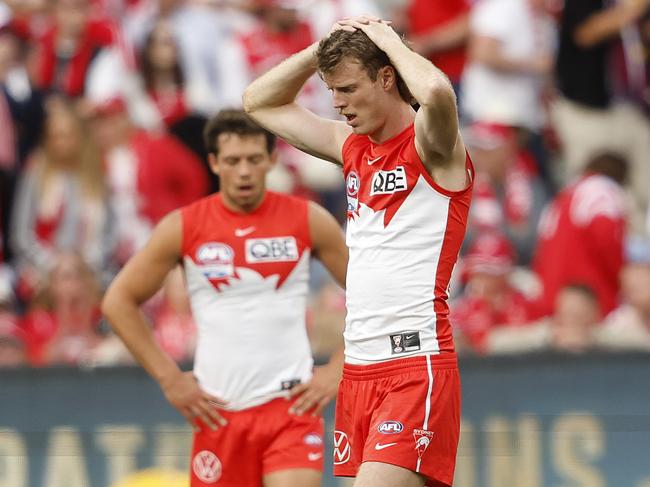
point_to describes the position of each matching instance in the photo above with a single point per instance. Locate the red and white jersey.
(247, 277)
(404, 233)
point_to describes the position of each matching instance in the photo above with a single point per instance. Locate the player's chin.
(360, 129)
(247, 192)
(247, 197)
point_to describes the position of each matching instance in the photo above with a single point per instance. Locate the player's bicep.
(305, 130)
(146, 271)
(436, 127)
(328, 242)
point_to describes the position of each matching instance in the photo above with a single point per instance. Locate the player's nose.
(339, 101)
(244, 169)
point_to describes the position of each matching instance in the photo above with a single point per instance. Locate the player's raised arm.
(140, 279)
(437, 137)
(271, 101)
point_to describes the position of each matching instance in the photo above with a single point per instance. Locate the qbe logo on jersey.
(276, 249)
(388, 182)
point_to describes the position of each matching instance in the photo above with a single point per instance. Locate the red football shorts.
(403, 412)
(256, 442)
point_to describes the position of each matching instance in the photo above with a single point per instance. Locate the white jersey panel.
(252, 338)
(391, 275)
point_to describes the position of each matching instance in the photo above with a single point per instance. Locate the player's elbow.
(110, 306)
(439, 94)
(248, 101)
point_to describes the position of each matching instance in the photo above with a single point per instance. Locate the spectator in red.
(62, 327)
(279, 34)
(148, 174)
(162, 73)
(508, 193)
(582, 231)
(164, 83)
(61, 203)
(489, 300)
(439, 30)
(66, 49)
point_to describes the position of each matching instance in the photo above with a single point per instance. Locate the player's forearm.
(129, 324)
(426, 82)
(280, 85)
(337, 359)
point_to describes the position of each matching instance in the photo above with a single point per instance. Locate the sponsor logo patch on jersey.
(341, 448)
(215, 260)
(388, 182)
(207, 467)
(390, 427)
(405, 342)
(276, 249)
(289, 384)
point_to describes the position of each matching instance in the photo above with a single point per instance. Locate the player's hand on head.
(347, 23)
(374, 27)
(183, 392)
(313, 396)
(339, 25)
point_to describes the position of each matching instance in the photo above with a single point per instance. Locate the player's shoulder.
(284, 200)
(202, 203)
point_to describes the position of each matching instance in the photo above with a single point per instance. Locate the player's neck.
(242, 207)
(396, 122)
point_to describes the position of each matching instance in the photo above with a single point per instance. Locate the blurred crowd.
(102, 105)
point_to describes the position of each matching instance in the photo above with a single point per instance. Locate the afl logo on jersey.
(387, 182)
(215, 260)
(352, 184)
(390, 427)
(277, 249)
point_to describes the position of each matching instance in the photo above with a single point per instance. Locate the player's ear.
(387, 77)
(213, 163)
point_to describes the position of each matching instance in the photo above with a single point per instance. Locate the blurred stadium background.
(102, 104)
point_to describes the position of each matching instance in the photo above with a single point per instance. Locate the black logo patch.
(405, 342)
(289, 384)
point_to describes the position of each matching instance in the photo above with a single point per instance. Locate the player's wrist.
(168, 377)
(311, 59)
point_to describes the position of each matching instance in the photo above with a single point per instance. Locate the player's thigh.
(294, 477)
(375, 474)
